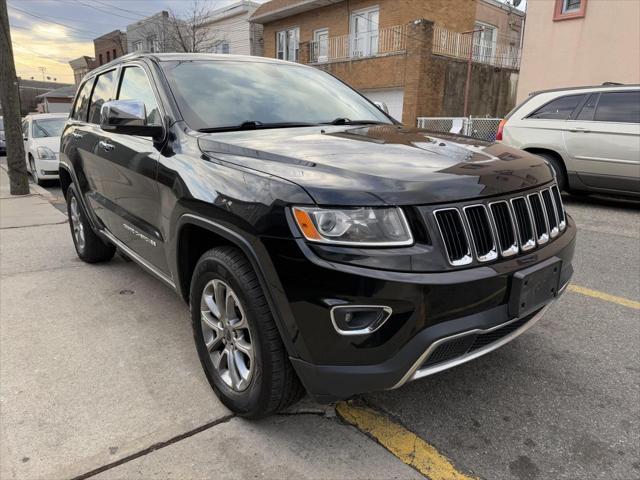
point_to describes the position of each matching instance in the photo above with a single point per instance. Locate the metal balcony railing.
(374, 43)
(454, 44)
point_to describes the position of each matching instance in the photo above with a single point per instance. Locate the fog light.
(359, 319)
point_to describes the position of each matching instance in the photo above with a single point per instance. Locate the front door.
(129, 171)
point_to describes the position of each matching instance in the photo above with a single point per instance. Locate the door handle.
(579, 130)
(77, 136)
(105, 145)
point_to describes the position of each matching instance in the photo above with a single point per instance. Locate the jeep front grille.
(504, 228)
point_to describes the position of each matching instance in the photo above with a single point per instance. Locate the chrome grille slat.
(505, 227)
(539, 218)
(550, 210)
(454, 236)
(483, 232)
(557, 199)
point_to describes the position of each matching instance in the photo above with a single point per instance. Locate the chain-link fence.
(476, 127)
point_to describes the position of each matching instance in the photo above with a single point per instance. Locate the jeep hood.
(380, 165)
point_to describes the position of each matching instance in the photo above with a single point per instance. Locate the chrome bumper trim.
(415, 372)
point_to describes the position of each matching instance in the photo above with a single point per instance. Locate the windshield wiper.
(348, 121)
(254, 125)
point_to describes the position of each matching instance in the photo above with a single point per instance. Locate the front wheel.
(34, 171)
(236, 337)
(89, 246)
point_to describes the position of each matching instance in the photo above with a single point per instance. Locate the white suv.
(590, 136)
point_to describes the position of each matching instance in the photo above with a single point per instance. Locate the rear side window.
(102, 92)
(82, 102)
(589, 108)
(621, 107)
(135, 86)
(558, 109)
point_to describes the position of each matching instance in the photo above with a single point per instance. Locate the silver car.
(589, 135)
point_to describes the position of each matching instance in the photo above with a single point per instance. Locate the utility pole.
(10, 98)
(469, 62)
(43, 70)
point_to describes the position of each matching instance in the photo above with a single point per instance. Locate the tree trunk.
(10, 99)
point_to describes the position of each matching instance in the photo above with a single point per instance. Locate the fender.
(261, 263)
(93, 220)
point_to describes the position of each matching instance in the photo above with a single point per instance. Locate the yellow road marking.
(604, 296)
(407, 446)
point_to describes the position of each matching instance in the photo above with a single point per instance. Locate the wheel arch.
(195, 235)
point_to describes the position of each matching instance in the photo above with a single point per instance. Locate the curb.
(34, 188)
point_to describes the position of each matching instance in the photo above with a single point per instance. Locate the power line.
(143, 15)
(44, 19)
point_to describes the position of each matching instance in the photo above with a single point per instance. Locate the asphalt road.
(563, 400)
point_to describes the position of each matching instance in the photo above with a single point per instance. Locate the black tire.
(558, 168)
(93, 249)
(34, 171)
(273, 384)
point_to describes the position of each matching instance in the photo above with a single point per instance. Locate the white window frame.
(289, 49)
(484, 48)
(321, 45)
(137, 46)
(153, 45)
(221, 46)
(365, 44)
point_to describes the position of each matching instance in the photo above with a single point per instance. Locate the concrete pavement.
(98, 366)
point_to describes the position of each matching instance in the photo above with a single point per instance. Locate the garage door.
(393, 97)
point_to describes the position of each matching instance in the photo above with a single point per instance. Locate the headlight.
(373, 227)
(45, 153)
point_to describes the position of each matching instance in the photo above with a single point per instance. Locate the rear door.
(129, 166)
(603, 139)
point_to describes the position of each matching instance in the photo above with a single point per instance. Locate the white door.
(364, 32)
(321, 45)
(393, 97)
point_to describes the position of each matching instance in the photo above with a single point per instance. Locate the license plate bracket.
(534, 287)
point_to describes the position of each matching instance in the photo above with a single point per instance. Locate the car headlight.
(373, 227)
(45, 153)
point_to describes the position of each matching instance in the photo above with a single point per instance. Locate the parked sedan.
(41, 133)
(589, 135)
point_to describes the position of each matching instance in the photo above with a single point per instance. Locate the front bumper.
(429, 310)
(48, 169)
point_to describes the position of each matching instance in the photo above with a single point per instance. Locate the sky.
(48, 33)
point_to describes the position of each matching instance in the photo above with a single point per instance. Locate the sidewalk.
(97, 366)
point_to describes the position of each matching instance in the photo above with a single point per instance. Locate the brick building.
(401, 52)
(109, 46)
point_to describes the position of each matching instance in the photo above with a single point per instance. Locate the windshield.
(1, 125)
(49, 127)
(214, 94)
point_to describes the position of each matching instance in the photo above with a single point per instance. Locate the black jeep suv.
(320, 245)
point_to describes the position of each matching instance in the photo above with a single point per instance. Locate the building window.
(137, 46)
(484, 42)
(320, 46)
(114, 54)
(221, 47)
(566, 9)
(287, 44)
(152, 44)
(364, 32)
(100, 57)
(108, 56)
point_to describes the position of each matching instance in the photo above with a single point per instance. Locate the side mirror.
(382, 106)
(127, 117)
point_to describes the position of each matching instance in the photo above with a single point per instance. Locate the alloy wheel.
(226, 335)
(76, 224)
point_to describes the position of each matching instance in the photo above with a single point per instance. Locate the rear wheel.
(89, 246)
(558, 169)
(236, 337)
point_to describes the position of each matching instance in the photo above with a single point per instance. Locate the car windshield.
(48, 127)
(224, 93)
(1, 125)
